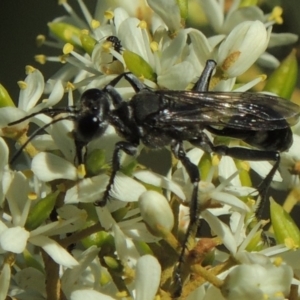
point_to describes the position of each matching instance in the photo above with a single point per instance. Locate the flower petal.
(14, 239)
(222, 230)
(160, 181)
(126, 189)
(156, 211)
(59, 254)
(32, 93)
(4, 280)
(48, 167)
(148, 272)
(89, 295)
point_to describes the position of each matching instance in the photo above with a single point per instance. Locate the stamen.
(154, 46)
(22, 84)
(29, 69)
(40, 58)
(40, 39)
(276, 15)
(81, 172)
(32, 196)
(85, 11)
(278, 261)
(68, 48)
(109, 15)
(142, 25)
(95, 24)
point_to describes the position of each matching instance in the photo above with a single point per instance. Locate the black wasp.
(161, 118)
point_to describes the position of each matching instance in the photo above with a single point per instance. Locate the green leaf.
(41, 211)
(205, 165)
(183, 7)
(138, 66)
(283, 80)
(32, 262)
(112, 263)
(285, 229)
(95, 162)
(101, 239)
(245, 3)
(66, 32)
(244, 175)
(88, 43)
(5, 99)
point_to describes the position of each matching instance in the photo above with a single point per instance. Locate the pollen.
(143, 25)
(41, 58)
(95, 24)
(29, 69)
(40, 39)
(109, 15)
(68, 48)
(230, 60)
(32, 196)
(154, 46)
(22, 84)
(276, 15)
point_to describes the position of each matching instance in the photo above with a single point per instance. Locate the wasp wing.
(247, 111)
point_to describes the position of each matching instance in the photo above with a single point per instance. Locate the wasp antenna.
(34, 134)
(50, 111)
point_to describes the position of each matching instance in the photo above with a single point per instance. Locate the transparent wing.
(248, 111)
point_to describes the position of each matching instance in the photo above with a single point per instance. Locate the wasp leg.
(136, 84)
(245, 154)
(129, 149)
(255, 155)
(202, 83)
(193, 172)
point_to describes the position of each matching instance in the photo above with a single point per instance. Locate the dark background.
(20, 23)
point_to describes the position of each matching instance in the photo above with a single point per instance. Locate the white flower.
(257, 281)
(242, 47)
(224, 22)
(30, 93)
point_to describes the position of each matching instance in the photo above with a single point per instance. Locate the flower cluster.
(50, 231)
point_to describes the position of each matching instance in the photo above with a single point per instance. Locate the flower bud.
(242, 47)
(156, 212)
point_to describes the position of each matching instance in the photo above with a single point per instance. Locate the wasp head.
(92, 120)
